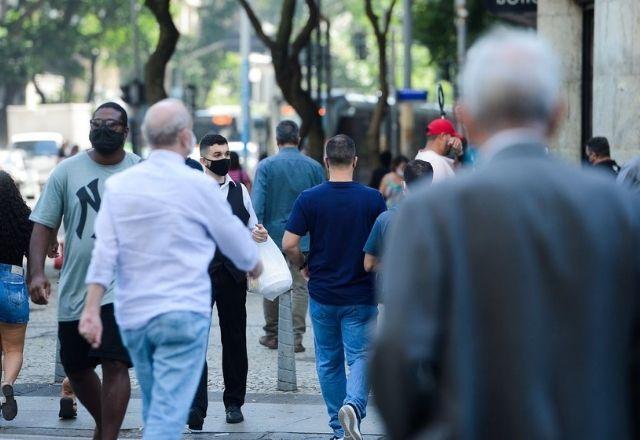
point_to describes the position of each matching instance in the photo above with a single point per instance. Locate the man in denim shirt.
(279, 181)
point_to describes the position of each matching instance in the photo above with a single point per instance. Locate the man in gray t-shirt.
(72, 195)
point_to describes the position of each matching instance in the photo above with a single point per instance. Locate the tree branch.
(29, 10)
(387, 16)
(372, 16)
(255, 22)
(286, 23)
(305, 34)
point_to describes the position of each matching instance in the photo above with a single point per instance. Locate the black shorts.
(75, 352)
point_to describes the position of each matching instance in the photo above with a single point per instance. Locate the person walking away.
(236, 172)
(160, 221)
(279, 181)
(415, 171)
(229, 290)
(73, 194)
(15, 232)
(599, 156)
(391, 185)
(443, 142)
(512, 292)
(384, 167)
(338, 216)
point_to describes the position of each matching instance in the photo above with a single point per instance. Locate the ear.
(203, 162)
(355, 162)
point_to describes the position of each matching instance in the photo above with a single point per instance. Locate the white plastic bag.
(276, 277)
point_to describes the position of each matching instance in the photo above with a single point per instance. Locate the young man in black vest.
(229, 290)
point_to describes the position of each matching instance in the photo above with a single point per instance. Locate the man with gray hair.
(279, 181)
(512, 306)
(158, 229)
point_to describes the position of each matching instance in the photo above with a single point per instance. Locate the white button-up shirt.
(157, 229)
(442, 166)
(246, 199)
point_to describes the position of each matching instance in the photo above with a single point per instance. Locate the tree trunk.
(91, 90)
(39, 91)
(9, 94)
(373, 132)
(154, 69)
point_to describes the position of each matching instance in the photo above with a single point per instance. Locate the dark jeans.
(231, 298)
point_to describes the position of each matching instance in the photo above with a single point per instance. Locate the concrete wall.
(616, 98)
(560, 22)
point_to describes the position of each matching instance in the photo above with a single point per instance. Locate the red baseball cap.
(442, 126)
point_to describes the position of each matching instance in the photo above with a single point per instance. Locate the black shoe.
(234, 415)
(195, 420)
(68, 408)
(10, 406)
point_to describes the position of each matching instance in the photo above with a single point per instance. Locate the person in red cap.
(443, 141)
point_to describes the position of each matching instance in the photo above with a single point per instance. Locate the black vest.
(220, 261)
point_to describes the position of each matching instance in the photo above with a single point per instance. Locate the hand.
(90, 326)
(456, 145)
(259, 234)
(39, 289)
(305, 273)
(52, 252)
(256, 271)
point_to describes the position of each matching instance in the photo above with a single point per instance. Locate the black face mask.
(219, 167)
(106, 141)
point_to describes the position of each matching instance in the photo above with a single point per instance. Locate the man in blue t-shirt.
(338, 215)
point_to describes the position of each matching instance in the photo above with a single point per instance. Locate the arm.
(291, 247)
(90, 326)
(383, 186)
(258, 232)
(259, 194)
(39, 285)
(370, 263)
(227, 231)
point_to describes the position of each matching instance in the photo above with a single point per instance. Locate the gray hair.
(287, 133)
(164, 121)
(511, 77)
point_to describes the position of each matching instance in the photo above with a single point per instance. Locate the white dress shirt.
(442, 166)
(158, 227)
(246, 200)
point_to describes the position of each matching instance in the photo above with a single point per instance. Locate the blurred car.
(40, 151)
(12, 161)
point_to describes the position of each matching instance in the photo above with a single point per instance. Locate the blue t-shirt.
(375, 242)
(338, 217)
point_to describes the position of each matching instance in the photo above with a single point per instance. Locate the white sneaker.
(350, 423)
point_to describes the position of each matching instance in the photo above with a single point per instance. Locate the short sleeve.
(373, 244)
(50, 206)
(297, 223)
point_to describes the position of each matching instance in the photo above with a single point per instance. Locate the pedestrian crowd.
(510, 290)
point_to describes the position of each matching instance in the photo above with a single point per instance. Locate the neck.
(112, 159)
(431, 146)
(219, 179)
(601, 159)
(287, 146)
(341, 174)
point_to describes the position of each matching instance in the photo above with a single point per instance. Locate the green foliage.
(434, 27)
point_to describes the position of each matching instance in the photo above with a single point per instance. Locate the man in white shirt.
(443, 141)
(229, 290)
(158, 228)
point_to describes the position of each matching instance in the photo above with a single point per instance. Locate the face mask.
(106, 141)
(219, 167)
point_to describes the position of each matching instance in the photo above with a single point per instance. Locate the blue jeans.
(166, 353)
(14, 298)
(340, 331)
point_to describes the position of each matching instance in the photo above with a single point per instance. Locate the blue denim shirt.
(279, 181)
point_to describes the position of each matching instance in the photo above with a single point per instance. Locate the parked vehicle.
(40, 152)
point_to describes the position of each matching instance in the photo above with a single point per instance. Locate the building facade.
(599, 44)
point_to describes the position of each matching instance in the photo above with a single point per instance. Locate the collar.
(288, 150)
(162, 155)
(227, 182)
(506, 139)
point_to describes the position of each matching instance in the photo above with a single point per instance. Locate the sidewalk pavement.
(286, 416)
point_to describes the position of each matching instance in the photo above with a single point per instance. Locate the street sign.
(411, 95)
(511, 6)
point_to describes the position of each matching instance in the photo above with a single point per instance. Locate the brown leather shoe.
(299, 348)
(269, 341)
